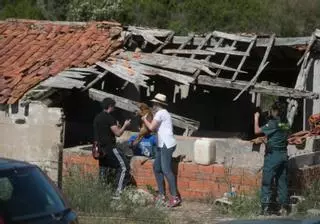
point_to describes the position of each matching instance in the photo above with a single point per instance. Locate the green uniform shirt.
(277, 134)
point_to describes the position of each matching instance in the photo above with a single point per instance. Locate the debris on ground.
(313, 212)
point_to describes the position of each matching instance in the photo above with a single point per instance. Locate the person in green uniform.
(276, 158)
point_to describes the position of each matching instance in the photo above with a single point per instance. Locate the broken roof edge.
(67, 23)
(262, 41)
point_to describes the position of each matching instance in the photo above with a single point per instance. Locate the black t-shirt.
(102, 130)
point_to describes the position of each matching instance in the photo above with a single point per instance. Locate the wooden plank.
(70, 73)
(302, 80)
(121, 102)
(204, 42)
(73, 75)
(185, 43)
(167, 41)
(83, 71)
(300, 85)
(208, 51)
(258, 88)
(197, 73)
(149, 70)
(97, 79)
(243, 59)
(153, 32)
(123, 73)
(234, 37)
(148, 35)
(225, 59)
(132, 106)
(261, 42)
(312, 40)
(176, 63)
(252, 82)
(188, 51)
(180, 78)
(262, 66)
(302, 75)
(62, 82)
(229, 51)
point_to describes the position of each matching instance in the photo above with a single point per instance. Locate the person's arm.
(257, 129)
(117, 131)
(153, 125)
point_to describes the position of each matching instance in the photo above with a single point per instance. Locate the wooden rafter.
(258, 87)
(132, 106)
(190, 38)
(262, 65)
(244, 58)
(226, 57)
(197, 73)
(204, 42)
(124, 73)
(167, 41)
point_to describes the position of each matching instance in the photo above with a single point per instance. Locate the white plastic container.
(204, 151)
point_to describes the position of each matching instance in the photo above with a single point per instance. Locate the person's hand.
(257, 116)
(144, 117)
(127, 123)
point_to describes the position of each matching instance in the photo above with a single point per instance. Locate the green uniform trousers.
(275, 166)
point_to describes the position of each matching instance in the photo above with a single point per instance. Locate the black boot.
(265, 210)
(285, 210)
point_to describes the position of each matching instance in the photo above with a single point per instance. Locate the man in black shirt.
(106, 128)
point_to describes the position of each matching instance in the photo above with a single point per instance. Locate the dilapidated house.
(53, 74)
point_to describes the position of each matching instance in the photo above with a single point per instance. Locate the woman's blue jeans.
(162, 167)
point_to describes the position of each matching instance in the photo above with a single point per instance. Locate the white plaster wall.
(38, 140)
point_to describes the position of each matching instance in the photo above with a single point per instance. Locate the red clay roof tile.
(31, 51)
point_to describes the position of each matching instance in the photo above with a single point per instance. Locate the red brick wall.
(194, 181)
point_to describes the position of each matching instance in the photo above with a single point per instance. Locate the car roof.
(6, 164)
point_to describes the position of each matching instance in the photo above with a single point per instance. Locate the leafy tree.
(84, 10)
(284, 17)
(53, 9)
(19, 9)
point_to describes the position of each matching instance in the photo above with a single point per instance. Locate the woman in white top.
(162, 124)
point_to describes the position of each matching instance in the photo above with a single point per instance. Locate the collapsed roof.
(55, 55)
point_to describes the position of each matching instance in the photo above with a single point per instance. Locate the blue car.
(28, 196)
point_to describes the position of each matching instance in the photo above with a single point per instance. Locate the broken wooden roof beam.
(132, 106)
(176, 63)
(124, 72)
(262, 66)
(244, 57)
(151, 71)
(261, 42)
(258, 87)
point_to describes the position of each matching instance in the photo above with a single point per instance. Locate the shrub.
(88, 196)
(312, 199)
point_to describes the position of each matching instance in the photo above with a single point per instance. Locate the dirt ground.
(190, 212)
(196, 212)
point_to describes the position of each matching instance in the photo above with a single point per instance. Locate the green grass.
(312, 199)
(90, 198)
(248, 206)
(243, 206)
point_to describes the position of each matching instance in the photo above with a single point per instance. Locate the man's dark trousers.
(116, 159)
(275, 166)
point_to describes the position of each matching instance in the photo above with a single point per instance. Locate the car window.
(27, 191)
(5, 189)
